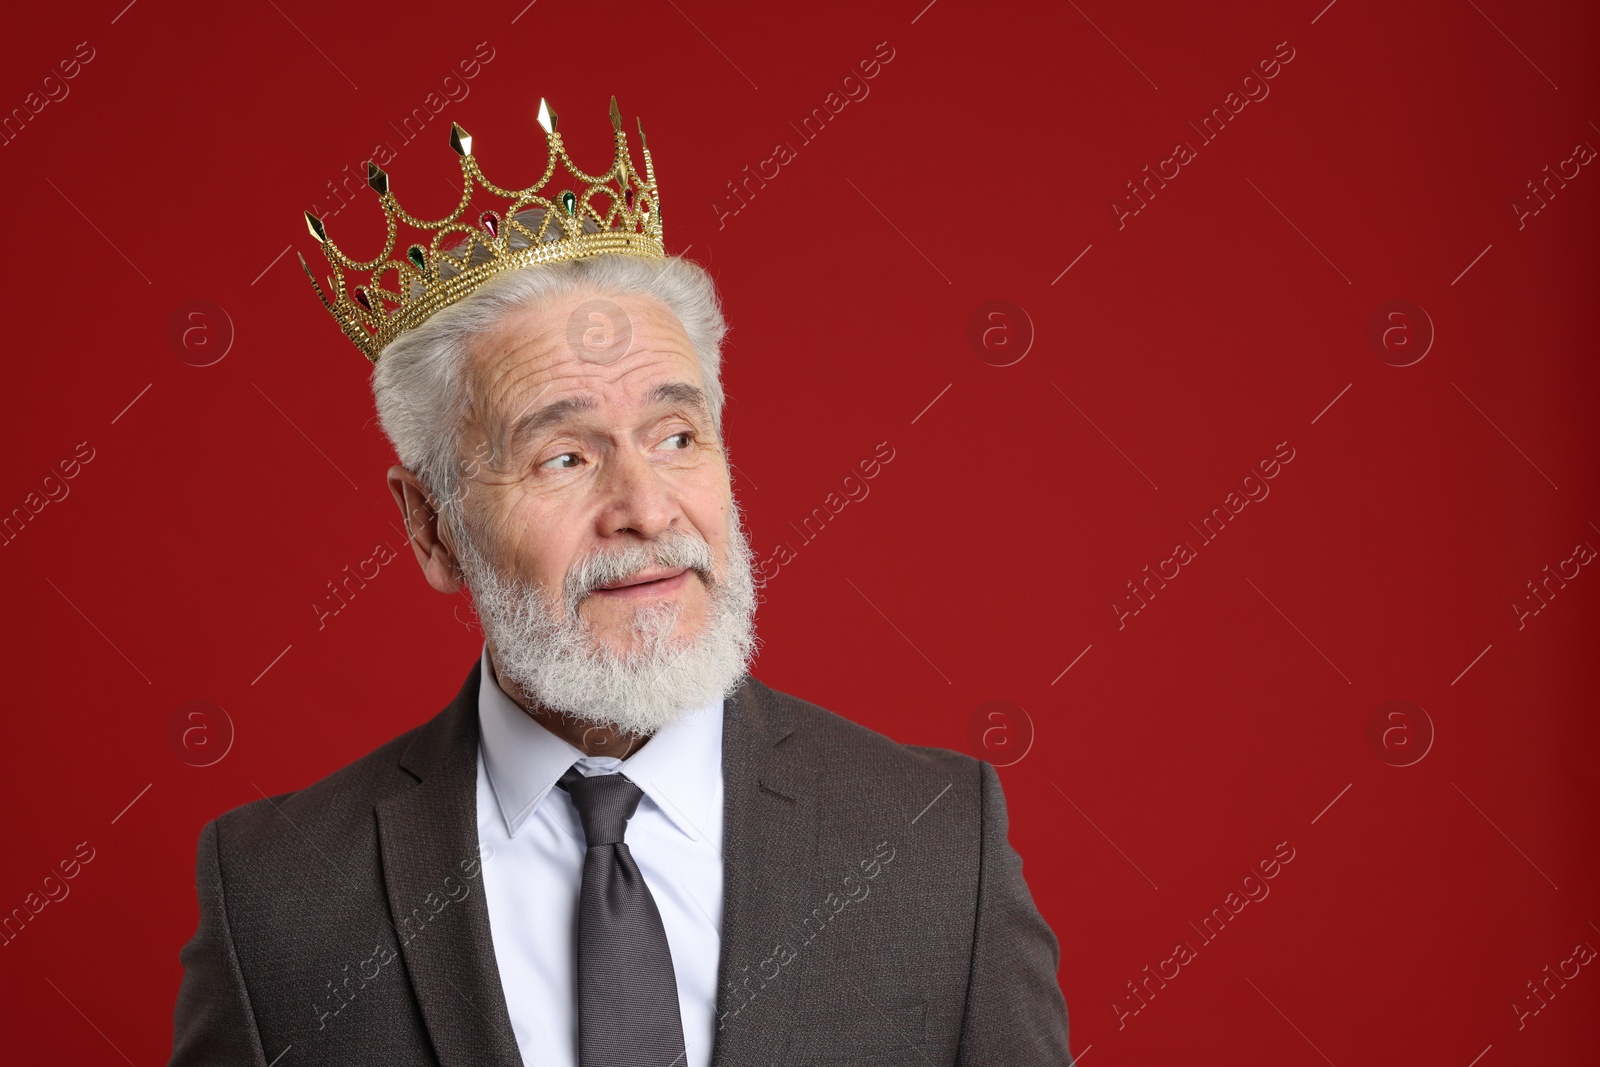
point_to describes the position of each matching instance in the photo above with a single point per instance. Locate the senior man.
(614, 847)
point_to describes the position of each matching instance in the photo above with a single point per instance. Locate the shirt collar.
(679, 769)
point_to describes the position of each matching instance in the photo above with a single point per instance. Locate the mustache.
(671, 550)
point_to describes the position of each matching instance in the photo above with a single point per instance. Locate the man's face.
(575, 453)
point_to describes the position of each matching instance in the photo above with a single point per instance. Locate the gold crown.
(617, 211)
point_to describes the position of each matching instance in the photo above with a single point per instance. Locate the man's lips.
(647, 583)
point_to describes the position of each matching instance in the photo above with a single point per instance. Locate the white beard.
(552, 655)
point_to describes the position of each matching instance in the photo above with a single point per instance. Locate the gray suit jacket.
(874, 912)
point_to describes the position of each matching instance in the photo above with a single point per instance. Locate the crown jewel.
(615, 211)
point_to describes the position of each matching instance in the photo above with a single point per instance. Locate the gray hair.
(420, 382)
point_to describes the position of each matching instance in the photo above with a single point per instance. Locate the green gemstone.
(569, 201)
(416, 255)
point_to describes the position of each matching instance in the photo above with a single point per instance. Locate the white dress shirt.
(533, 846)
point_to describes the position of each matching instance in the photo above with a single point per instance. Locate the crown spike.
(642, 142)
(616, 116)
(320, 294)
(377, 178)
(460, 140)
(318, 231)
(547, 116)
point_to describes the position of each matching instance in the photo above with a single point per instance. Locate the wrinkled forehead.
(603, 352)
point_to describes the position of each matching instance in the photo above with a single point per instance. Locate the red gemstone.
(490, 222)
(628, 197)
(362, 298)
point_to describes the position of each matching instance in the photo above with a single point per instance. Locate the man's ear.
(419, 511)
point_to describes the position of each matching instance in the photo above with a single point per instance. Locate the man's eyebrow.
(681, 393)
(551, 414)
(559, 411)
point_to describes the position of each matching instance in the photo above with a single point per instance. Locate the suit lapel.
(769, 846)
(429, 834)
(428, 839)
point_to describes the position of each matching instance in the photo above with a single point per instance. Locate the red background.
(1229, 715)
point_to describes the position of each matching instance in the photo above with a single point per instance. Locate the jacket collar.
(769, 848)
(428, 842)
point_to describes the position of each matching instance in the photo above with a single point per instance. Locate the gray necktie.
(627, 994)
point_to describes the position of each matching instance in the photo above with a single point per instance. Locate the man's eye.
(687, 437)
(558, 465)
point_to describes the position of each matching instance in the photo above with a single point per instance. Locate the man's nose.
(637, 498)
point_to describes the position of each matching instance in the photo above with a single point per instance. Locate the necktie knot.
(605, 803)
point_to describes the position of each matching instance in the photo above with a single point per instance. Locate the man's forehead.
(645, 376)
(564, 324)
(535, 359)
